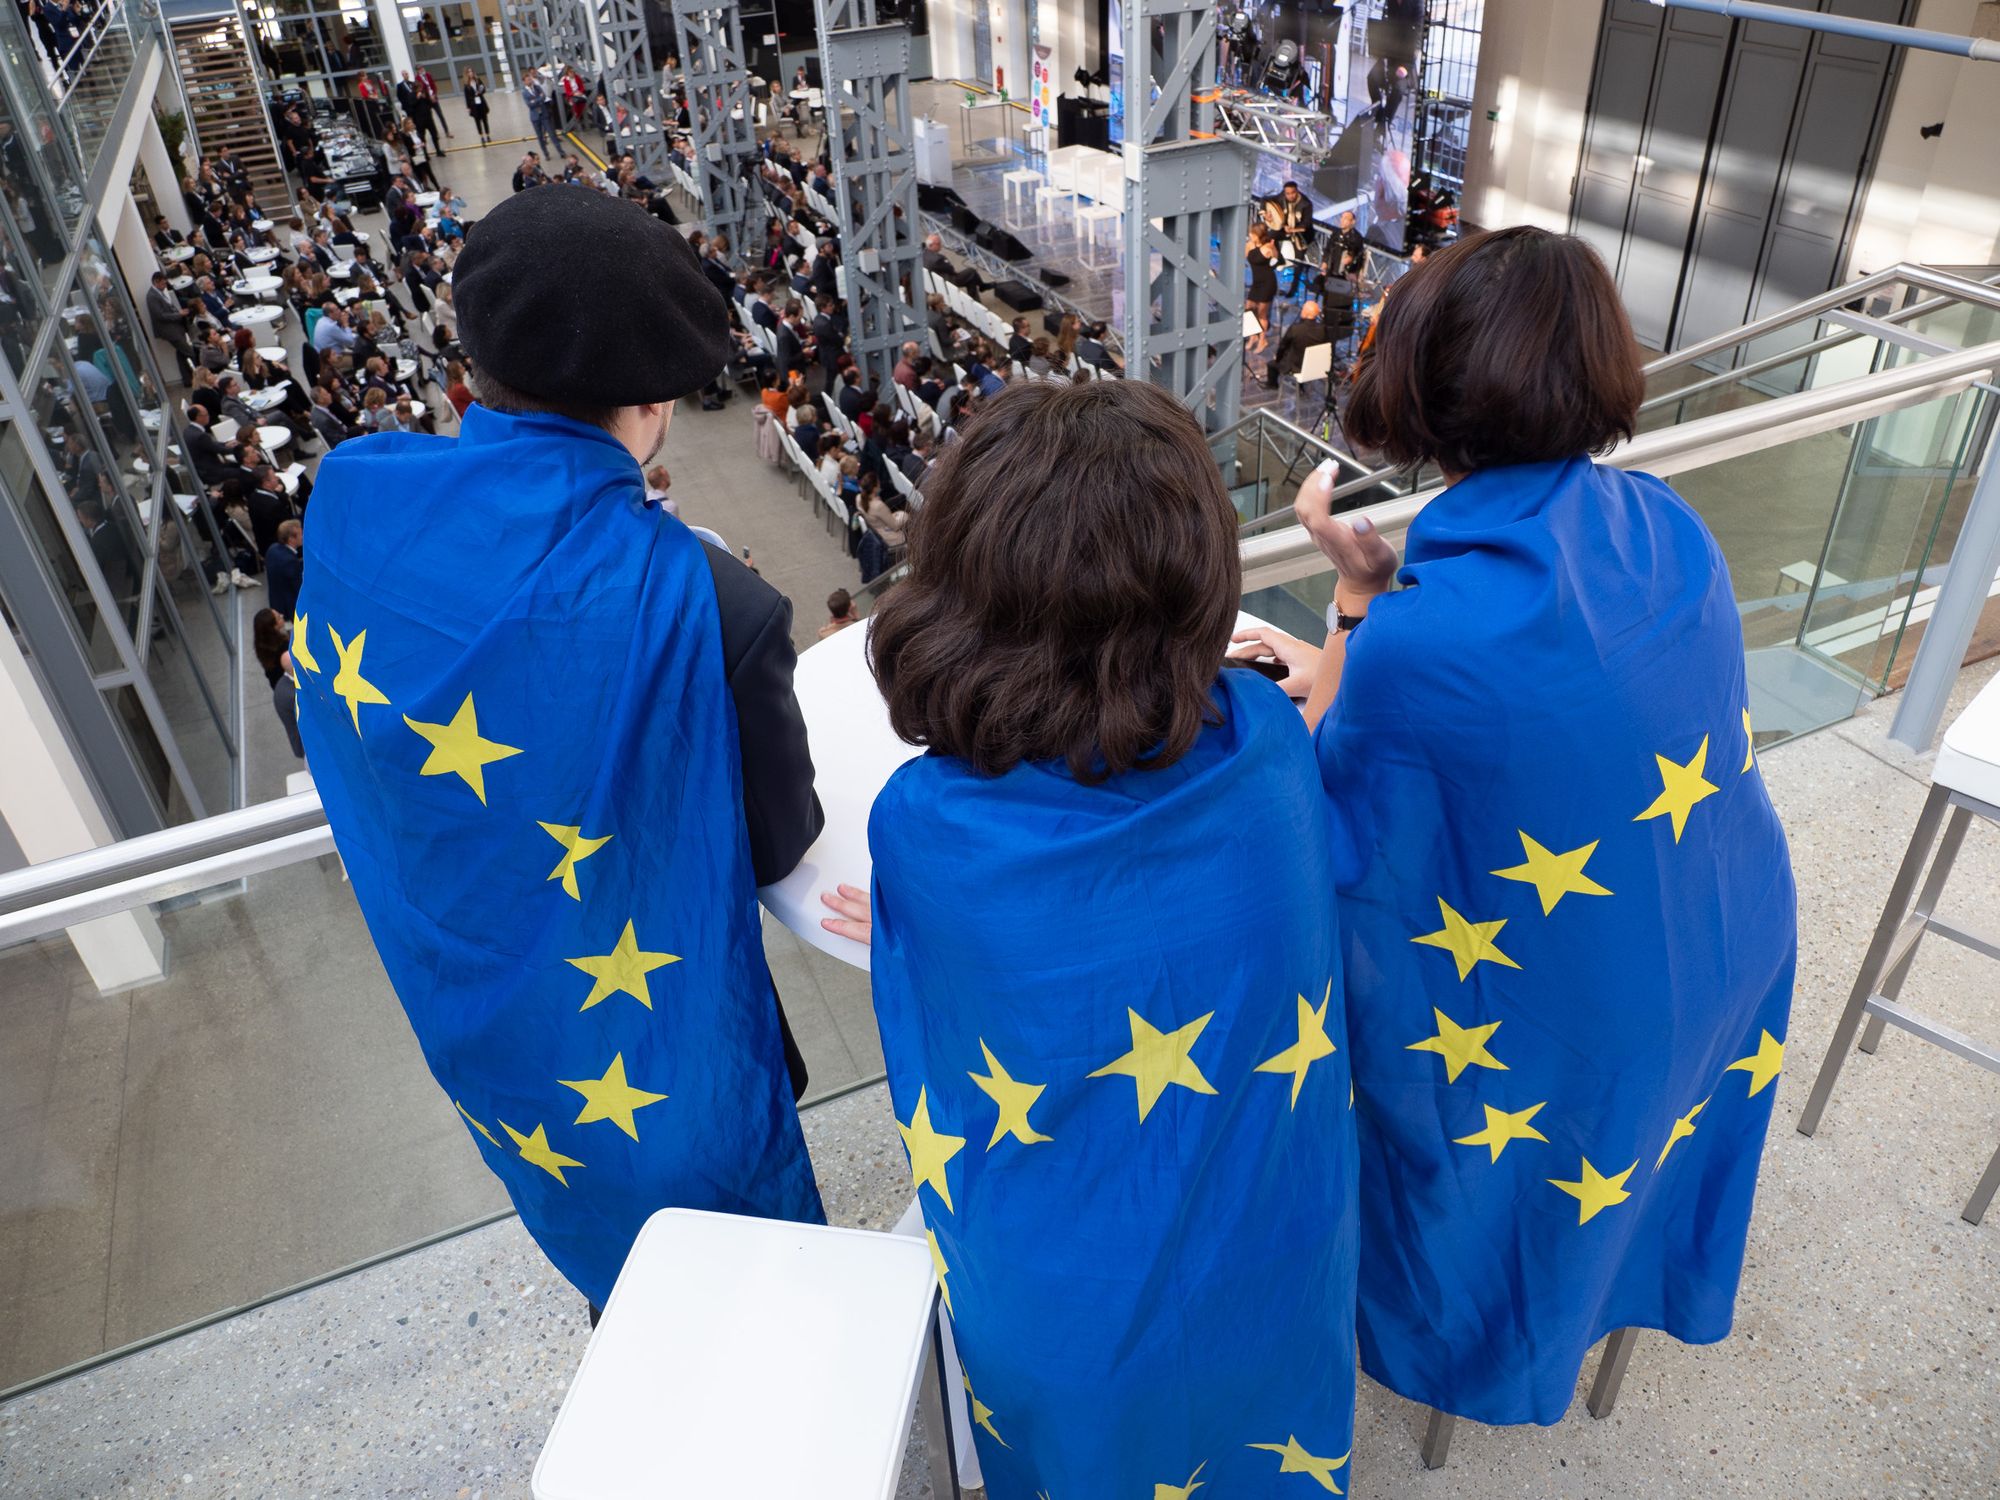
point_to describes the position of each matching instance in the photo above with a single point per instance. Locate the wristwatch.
(1343, 623)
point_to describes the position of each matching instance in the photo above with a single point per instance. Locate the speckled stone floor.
(1865, 1362)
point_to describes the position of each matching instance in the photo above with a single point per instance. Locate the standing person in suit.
(169, 322)
(285, 565)
(473, 89)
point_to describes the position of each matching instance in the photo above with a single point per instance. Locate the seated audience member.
(1102, 1114)
(1556, 695)
(1307, 333)
(840, 613)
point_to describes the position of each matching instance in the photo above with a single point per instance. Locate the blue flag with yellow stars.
(1111, 1016)
(512, 696)
(1570, 932)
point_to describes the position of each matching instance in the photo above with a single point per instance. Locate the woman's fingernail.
(1363, 526)
(1325, 469)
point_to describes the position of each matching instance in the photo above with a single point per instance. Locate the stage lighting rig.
(1281, 75)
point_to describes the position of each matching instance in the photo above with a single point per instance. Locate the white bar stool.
(1091, 222)
(755, 1359)
(1966, 782)
(1017, 201)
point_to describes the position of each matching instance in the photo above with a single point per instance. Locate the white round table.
(854, 754)
(340, 270)
(180, 283)
(178, 254)
(262, 226)
(405, 369)
(271, 439)
(268, 399)
(256, 286)
(264, 315)
(261, 254)
(274, 353)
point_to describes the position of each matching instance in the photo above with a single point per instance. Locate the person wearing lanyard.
(558, 765)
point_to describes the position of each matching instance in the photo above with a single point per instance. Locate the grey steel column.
(1184, 326)
(865, 69)
(1968, 584)
(527, 32)
(718, 91)
(631, 84)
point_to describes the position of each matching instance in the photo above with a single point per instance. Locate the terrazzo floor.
(1865, 1361)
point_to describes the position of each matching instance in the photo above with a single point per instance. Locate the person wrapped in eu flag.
(1105, 970)
(556, 741)
(1566, 901)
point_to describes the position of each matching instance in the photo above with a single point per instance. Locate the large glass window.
(44, 520)
(36, 178)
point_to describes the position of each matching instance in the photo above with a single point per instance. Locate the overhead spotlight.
(1282, 75)
(1241, 31)
(1931, 132)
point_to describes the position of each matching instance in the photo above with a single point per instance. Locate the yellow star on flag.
(982, 1414)
(1766, 1063)
(1159, 1058)
(348, 683)
(1680, 788)
(1014, 1098)
(536, 1149)
(623, 970)
(1468, 943)
(1298, 1461)
(611, 1097)
(301, 647)
(1460, 1046)
(1682, 1129)
(930, 1150)
(576, 849)
(1553, 876)
(1749, 743)
(1503, 1128)
(1181, 1491)
(475, 1124)
(943, 1270)
(1594, 1192)
(1312, 1045)
(458, 749)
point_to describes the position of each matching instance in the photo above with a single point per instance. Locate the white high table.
(854, 752)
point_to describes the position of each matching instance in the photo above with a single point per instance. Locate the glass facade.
(86, 457)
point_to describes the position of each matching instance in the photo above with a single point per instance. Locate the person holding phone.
(1127, 1111)
(1566, 900)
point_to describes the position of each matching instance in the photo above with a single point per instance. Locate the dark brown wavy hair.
(1510, 347)
(1073, 584)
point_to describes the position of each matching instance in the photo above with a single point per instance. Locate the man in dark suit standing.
(830, 335)
(791, 345)
(169, 322)
(285, 567)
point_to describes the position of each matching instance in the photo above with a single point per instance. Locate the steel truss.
(1276, 127)
(718, 96)
(545, 34)
(631, 84)
(866, 71)
(1186, 201)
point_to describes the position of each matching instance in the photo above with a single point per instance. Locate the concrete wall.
(1938, 201)
(1935, 200)
(1535, 59)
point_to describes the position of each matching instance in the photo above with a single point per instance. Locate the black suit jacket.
(1019, 349)
(1300, 337)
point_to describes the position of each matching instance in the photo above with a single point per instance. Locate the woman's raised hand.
(1366, 562)
(1301, 660)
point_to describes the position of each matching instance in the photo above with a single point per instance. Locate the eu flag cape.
(1570, 931)
(512, 697)
(1112, 1021)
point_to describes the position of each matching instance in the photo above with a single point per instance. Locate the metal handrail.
(1900, 316)
(59, 893)
(1280, 557)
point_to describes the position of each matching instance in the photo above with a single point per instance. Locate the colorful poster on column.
(1042, 99)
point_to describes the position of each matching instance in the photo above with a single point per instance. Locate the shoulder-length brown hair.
(1073, 584)
(1510, 347)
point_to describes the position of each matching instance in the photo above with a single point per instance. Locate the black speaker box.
(933, 199)
(1018, 295)
(964, 220)
(1003, 244)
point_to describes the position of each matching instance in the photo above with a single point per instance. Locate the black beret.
(570, 295)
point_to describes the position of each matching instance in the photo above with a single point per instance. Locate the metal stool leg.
(1437, 1438)
(1893, 913)
(1927, 900)
(934, 1416)
(1611, 1371)
(1976, 1205)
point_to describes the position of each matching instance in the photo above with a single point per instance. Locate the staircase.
(226, 111)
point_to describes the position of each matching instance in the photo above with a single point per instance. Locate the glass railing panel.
(260, 1118)
(1906, 492)
(1708, 392)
